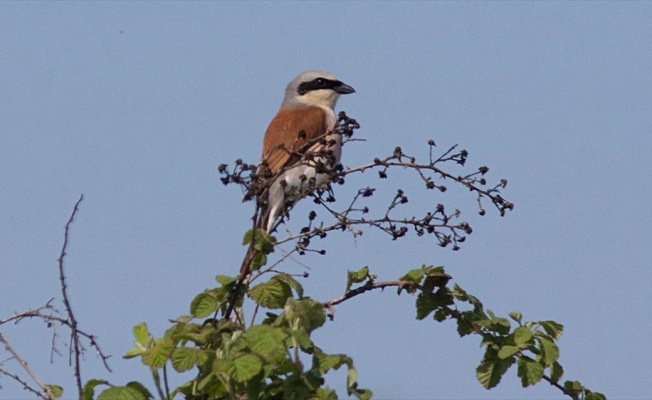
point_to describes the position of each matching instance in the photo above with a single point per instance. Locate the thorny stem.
(74, 336)
(47, 393)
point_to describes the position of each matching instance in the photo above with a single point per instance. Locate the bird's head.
(315, 88)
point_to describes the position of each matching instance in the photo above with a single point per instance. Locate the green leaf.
(499, 324)
(414, 275)
(141, 388)
(204, 304)
(258, 261)
(133, 353)
(556, 372)
(55, 390)
(184, 358)
(507, 351)
(308, 313)
(490, 371)
(326, 362)
(516, 316)
(426, 303)
(356, 277)
(142, 336)
(462, 295)
(552, 328)
(595, 396)
(549, 351)
(363, 394)
(225, 280)
(271, 294)
(293, 283)
(325, 394)
(530, 371)
(523, 337)
(246, 367)
(265, 340)
(351, 378)
(122, 393)
(264, 242)
(574, 387)
(89, 388)
(157, 355)
(302, 339)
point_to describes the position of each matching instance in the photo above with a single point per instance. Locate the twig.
(22, 382)
(49, 318)
(367, 287)
(74, 336)
(47, 394)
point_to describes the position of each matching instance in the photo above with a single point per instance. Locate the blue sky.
(135, 104)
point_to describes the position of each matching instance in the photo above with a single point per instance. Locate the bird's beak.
(343, 89)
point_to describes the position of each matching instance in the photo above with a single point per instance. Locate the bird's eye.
(321, 82)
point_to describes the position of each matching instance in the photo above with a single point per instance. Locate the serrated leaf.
(246, 367)
(264, 242)
(293, 283)
(575, 387)
(121, 393)
(507, 351)
(225, 280)
(258, 261)
(141, 335)
(89, 388)
(157, 355)
(523, 337)
(489, 372)
(425, 304)
(530, 371)
(203, 305)
(327, 362)
(556, 372)
(552, 328)
(309, 313)
(184, 358)
(356, 277)
(549, 351)
(141, 388)
(271, 294)
(246, 239)
(265, 340)
(414, 275)
(55, 390)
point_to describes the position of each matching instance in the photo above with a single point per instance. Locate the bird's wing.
(289, 132)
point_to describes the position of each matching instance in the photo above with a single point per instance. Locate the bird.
(299, 146)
